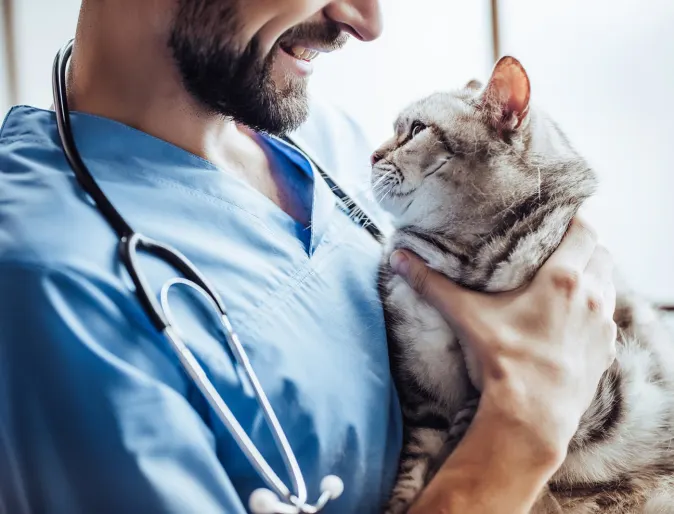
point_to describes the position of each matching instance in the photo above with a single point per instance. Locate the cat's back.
(621, 460)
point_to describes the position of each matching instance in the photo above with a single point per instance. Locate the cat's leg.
(426, 450)
(419, 452)
(458, 429)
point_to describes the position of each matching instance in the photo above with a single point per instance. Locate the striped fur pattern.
(483, 186)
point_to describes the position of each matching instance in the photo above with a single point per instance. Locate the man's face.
(250, 59)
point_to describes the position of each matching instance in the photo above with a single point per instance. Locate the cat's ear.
(474, 84)
(505, 99)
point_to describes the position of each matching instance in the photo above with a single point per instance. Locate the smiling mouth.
(300, 53)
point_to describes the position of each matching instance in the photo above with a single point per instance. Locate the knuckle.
(595, 304)
(566, 280)
(564, 368)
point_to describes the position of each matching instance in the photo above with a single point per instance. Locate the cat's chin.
(398, 209)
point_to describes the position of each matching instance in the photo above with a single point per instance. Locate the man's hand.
(540, 350)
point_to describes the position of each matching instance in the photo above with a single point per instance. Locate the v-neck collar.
(323, 201)
(115, 151)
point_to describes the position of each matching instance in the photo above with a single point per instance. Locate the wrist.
(526, 433)
(539, 431)
(501, 465)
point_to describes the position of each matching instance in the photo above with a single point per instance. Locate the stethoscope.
(277, 498)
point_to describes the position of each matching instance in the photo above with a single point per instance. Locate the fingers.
(599, 272)
(602, 296)
(447, 297)
(575, 250)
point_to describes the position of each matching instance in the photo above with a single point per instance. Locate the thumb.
(447, 297)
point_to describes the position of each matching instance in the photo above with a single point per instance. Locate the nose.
(376, 157)
(360, 18)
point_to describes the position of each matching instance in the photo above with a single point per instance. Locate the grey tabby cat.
(483, 186)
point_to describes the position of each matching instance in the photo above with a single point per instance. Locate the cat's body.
(483, 187)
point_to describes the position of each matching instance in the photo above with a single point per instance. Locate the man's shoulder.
(43, 220)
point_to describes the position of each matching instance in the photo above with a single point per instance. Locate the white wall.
(427, 45)
(4, 80)
(41, 28)
(603, 69)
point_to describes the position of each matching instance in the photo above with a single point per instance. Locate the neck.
(122, 69)
(129, 76)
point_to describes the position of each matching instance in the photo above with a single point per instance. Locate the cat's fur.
(482, 185)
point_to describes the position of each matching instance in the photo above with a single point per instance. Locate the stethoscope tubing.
(161, 316)
(129, 244)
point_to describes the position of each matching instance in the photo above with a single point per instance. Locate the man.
(173, 98)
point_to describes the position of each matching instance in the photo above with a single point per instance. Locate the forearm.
(498, 468)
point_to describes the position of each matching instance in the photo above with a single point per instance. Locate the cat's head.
(462, 162)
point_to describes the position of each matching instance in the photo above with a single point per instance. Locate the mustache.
(327, 35)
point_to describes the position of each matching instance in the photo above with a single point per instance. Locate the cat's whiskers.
(380, 194)
(381, 179)
(386, 193)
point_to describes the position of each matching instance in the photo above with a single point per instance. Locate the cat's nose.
(376, 157)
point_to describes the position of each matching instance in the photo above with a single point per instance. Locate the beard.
(237, 81)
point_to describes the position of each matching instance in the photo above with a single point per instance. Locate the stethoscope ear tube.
(73, 157)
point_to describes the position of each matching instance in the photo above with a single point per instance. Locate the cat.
(483, 185)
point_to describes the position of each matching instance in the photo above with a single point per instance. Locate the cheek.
(447, 195)
(270, 19)
(429, 204)
(430, 159)
(410, 162)
(419, 159)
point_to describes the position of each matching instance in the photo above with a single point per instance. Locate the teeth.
(303, 53)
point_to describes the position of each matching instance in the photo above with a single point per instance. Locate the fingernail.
(399, 262)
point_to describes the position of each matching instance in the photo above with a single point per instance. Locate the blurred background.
(601, 68)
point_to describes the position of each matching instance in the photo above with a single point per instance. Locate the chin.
(398, 208)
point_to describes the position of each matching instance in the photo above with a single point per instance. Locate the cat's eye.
(417, 127)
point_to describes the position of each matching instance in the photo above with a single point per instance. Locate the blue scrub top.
(96, 414)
